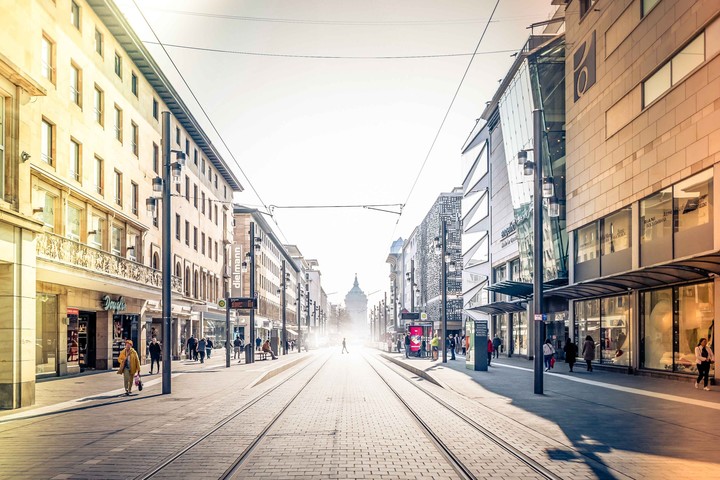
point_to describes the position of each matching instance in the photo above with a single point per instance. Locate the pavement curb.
(417, 371)
(276, 371)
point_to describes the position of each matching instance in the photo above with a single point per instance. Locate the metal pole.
(298, 308)
(228, 336)
(385, 307)
(307, 338)
(443, 340)
(166, 260)
(538, 254)
(284, 319)
(252, 291)
(412, 285)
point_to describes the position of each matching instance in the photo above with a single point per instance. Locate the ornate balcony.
(75, 254)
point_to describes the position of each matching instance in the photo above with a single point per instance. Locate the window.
(585, 6)
(47, 140)
(202, 243)
(586, 243)
(75, 155)
(616, 235)
(156, 158)
(216, 182)
(99, 42)
(118, 65)
(99, 175)
(209, 172)
(216, 251)
(195, 157)
(74, 215)
(202, 203)
(118, 123)
(134, 84)
(134, 138)
(75, 14)
(693, 212)
(97, 231)
(216, 214)
(672, 72)
(46, 201)
(187, 233)
(134, 198)
(177, 226)
(116, 240)
(47, 56)
(195, 196)
(202, 169)
(646, 6)
(187, 188)
(177, 135)
(2, 147)
(118, 188)
(209, 210)
(195, 238)
(187, 148)
(99, 105)
(156, 109)
(155, 220)
(75, 85)
(225, 192)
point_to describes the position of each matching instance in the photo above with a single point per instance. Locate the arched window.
(195, 284)
(156, 261)
(178, 270)
(187, 281)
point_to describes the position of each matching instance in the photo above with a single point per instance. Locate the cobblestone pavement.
(348, 424)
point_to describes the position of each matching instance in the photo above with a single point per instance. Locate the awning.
(688, 269)
(522, 289)
(500, 308)
(291, 331)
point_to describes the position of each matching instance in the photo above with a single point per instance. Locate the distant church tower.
(356, 305)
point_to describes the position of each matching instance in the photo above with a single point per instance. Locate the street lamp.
(543, 188)
(283, 284)
(440, 246)
(162, 185)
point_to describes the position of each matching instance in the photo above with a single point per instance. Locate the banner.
(415, 337)
(236, 276)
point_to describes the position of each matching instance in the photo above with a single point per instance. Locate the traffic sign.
(221, 303)
(423, 316)
(540, 317)
(242, 302)
(410, 315)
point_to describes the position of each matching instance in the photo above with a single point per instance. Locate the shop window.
(657, 324)
(520, 333)
(656, 213)
(587, 248)
(614, 338)
(587, 323)
(696, 311)
(616, 240)
(692, 207)
(46, 334)
(74, 216)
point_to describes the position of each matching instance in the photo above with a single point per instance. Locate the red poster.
(415, 338)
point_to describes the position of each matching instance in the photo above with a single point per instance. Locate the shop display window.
(695, 321)
(586, 243)
(614, 335)
(616, 232)
(46, 334)
(657, 325)
(656, 227)
(587, 321)
(692, 207)
(520, 333)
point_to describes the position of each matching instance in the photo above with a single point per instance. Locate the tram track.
(237, 463)
(463, 470)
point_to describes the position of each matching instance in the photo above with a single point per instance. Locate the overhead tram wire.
(212, 124)
(328, 57)
(452, 102)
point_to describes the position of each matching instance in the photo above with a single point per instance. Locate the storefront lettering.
(117, 305)
(509, 230)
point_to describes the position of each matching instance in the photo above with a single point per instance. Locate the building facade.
(643, 127)
(80, 103)
(396, 277)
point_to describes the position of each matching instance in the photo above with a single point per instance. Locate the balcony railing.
(70, 252)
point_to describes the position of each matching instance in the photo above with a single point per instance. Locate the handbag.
(552, 362)
(138, 382)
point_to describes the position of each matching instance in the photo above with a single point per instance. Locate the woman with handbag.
(704, 357)
(548, 352)
(129, 365)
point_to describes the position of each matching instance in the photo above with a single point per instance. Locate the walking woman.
(548, 352)
(704, 357)
(129, 365)
(588, 352)
(570, 353)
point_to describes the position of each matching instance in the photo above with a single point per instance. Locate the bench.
(263, 355)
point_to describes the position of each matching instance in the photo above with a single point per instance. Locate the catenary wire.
(328, 57)
(452, 102)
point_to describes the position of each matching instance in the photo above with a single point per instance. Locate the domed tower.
(356, 306)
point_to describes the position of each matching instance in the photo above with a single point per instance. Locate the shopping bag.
(552, 362)
(138, 382)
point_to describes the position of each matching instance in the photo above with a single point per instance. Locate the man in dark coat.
(192, 348)
(571, 351)
(154, 351)
(496, 345)
(407, 346)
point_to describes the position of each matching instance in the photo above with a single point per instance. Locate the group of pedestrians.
(198, 349)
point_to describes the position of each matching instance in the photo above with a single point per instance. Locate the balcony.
(64, 251)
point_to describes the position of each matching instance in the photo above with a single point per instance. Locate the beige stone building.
(80, 144)
(643, 148)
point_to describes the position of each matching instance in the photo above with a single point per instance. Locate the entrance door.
(86, 340)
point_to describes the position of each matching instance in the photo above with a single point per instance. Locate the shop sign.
(540, 317)
(117, 305)
(236, 274)
(481, 328)
(584, 72)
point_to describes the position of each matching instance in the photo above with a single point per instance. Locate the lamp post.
(298, 310)
(170, 171)
(542, 188)
(307, 306)
(253, 247)
(443, 252)
(284, 319)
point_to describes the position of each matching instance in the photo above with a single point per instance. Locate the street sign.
(221, 303)
(540, 317)
(242, 302)
(423, 316)
(410, 315)
(481, 328)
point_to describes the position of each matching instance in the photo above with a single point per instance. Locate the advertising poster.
(415, 337)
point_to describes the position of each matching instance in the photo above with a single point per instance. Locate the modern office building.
(81, 101)
(643, 146)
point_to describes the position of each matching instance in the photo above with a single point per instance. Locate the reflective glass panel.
(616, 232)
(693, 201)
(656, 85)
(73, 222)
(696, 311)
(615, 341)
(587, 322)
(46, 333)
(657, 322)
(688, 58)
(520, 333)
(586, 243)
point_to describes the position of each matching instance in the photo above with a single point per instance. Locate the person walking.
(129, 365)
(209, 348)
(398, 344)
(237, 345)
(191, 351)
(704, 357)
(588, 352)
(154, 350)
(344, 349)
(434, 345)
(266, 349)
(548, 352)
(490, 351)
(258, 342)
(451, 345)
(571, 352)
(464, 345)
(423, 348)
(496, 345)
(201, 346)
(407, 345)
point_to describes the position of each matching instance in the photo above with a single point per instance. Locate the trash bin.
(248, 353)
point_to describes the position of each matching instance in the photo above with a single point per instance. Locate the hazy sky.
(316, 131)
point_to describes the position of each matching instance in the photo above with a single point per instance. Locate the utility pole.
(252, 291)
(166, 259)
(307, 339)
(443, 252)
(298, 311)
(538, 254)
(412, 285)
(284, 307)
